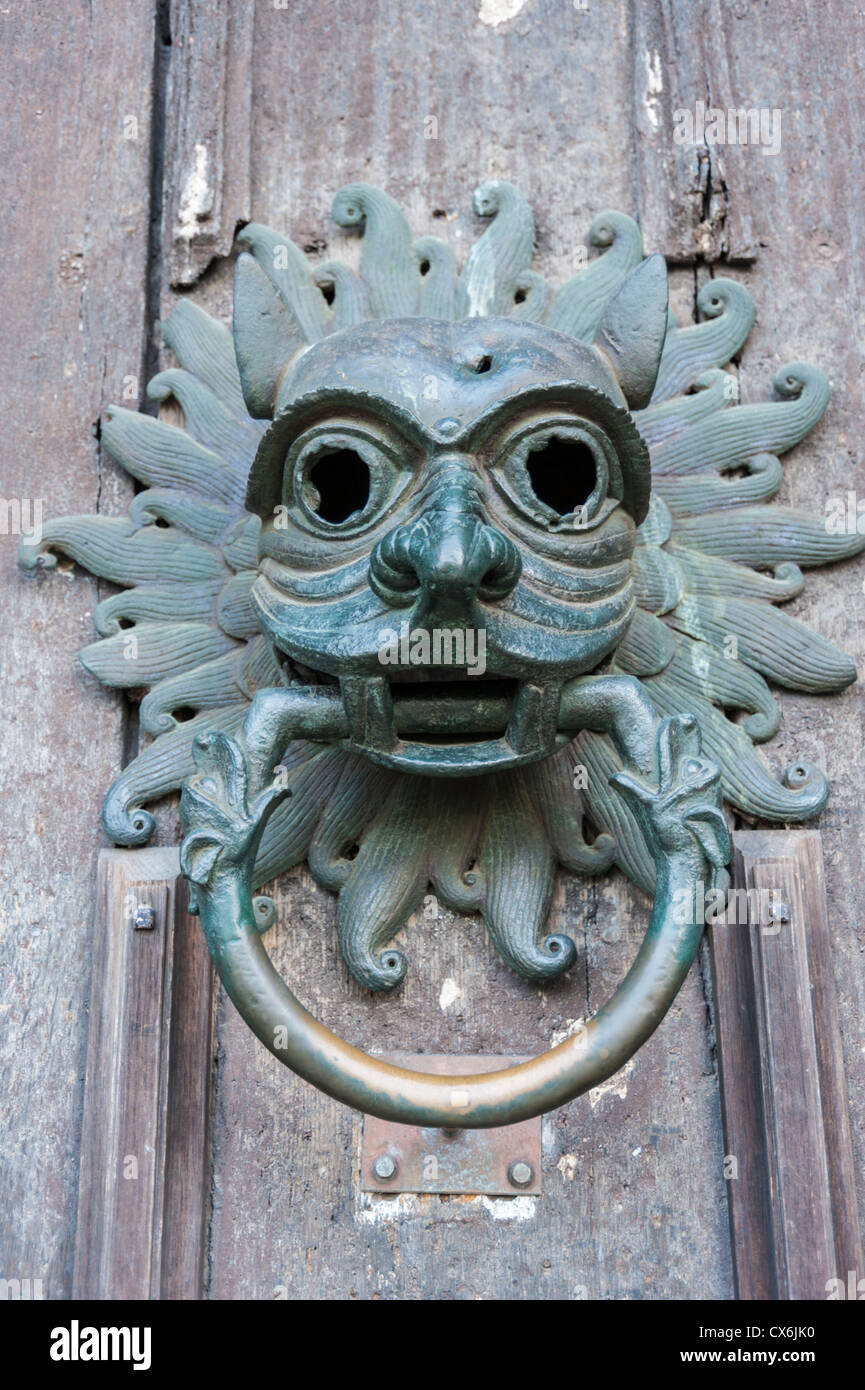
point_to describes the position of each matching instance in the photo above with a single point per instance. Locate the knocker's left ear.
(632, 331)
(266, 337)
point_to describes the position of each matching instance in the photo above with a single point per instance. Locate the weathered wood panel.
(792, 1186)
(144, 1180)
(74, 205)
(807, 205)
(693, 197)
(289, 1220)
(206, 162)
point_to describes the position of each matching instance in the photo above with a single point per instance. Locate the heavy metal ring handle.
(675, 793)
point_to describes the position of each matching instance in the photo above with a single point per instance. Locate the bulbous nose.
(448, 555)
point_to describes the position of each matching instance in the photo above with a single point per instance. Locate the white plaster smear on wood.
(450, 993)
(494, 12)
(616, 1086)
(373, 1210)
(196, 200)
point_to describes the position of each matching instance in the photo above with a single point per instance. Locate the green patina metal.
(446, 582)
(675, 795)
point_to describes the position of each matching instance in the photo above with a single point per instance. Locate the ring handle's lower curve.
(495, 1098)
(687, 836)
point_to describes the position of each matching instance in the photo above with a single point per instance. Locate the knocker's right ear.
(632, 331)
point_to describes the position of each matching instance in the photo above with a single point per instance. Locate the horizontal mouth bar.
(456, 727)
(438, 709)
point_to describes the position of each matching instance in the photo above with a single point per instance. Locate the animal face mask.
(434, 498)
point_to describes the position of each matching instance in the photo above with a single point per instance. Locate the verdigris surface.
(491, 561)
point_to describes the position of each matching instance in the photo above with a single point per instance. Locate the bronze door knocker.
(457, 578)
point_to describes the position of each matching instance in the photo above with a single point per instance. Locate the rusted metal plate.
(494, 1162)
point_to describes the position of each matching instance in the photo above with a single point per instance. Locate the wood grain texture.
(74, 205)
(693, 198)
(206, 170)
(792, 1190)
(145, 1164)
(808, 285)
(633, 1196)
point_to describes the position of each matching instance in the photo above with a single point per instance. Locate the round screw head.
(520, 1173)
(384, 1167)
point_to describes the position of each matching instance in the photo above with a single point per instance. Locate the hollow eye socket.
(340, 478)
(558, 474)
(563, 473)
(338, 485)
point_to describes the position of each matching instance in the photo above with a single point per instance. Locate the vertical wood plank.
(809, 207)
(77, 99)
(144, 1156)
(693, 199)
(791, 1192)
(207, 138)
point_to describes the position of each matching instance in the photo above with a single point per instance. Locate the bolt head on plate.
(384, 1167)
(520, 1173)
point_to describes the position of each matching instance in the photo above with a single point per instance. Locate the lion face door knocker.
(435, 540)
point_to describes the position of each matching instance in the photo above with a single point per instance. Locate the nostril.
(501, 575)
(495, 583)
(391, 573)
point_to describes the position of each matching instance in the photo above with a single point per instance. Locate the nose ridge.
(448, 553)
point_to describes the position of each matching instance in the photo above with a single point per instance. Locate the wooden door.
(140, 138)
